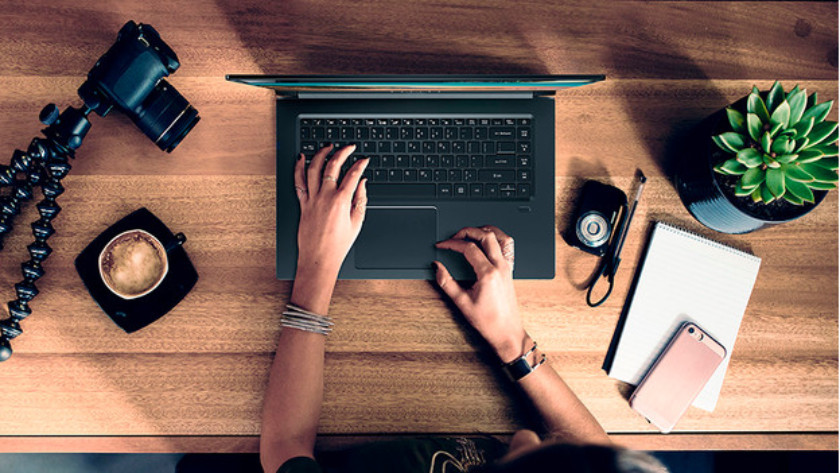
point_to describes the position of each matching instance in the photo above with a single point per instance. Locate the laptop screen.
(416, 82)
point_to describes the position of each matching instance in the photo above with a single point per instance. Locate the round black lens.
(166, 117)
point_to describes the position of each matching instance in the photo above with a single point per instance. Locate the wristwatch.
(520, 367)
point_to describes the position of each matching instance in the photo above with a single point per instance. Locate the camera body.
(129, 76)
(599, 211)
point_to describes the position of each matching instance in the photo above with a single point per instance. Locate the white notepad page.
(684, 277)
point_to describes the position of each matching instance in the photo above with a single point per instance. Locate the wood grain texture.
(399, 361)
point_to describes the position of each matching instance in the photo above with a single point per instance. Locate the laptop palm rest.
(397, 238)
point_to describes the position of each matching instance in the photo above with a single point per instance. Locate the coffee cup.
(135, 262)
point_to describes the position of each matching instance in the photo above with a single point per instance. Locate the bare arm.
(490, 306)
(331, 218)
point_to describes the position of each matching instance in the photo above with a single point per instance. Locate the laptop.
(446, 152)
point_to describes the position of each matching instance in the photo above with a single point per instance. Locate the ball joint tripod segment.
(129, 76)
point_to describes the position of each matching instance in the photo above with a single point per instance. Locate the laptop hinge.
(426, 94)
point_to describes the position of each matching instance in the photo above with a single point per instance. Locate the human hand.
(331, 213)
(490, 304)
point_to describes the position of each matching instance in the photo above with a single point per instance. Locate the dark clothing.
(429, 455)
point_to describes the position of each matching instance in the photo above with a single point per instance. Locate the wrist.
(313, 288)
(510, 348)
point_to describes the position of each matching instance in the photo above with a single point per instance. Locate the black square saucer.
(134, 314)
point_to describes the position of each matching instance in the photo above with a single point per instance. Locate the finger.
(333, 167)
(505, 241)
(351, 180)
(300, 179)
(450, 286)
(313, 174)
(474, 255)
(487, 239)
(357, 211)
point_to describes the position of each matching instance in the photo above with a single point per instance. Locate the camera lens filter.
(593, 229)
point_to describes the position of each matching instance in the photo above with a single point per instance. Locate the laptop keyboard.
(463, 158)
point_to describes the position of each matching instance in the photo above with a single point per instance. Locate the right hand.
(490, 304)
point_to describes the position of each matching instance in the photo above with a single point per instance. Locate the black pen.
(615, 260)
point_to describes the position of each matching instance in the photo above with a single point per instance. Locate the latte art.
(133, 264)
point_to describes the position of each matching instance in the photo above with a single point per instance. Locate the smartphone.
(677, 376)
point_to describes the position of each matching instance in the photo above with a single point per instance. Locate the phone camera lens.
(691, 330)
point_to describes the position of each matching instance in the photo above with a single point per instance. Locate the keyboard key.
(429, 147)
(424, 175)
(459, 147)
(391, 133)
(447, 161)
(444, 147)
(458, 121)
(450, 133)
(523, 161)
(384, 147)
(462, 161)
(406, 133)
(399, 147)
(305, 122)
(523, 133)
(440, 175)
(395, 175)
(409, 175)
(388, 161)
(380, 175)
(459, 190)
(476, 190)
(412, 190)
(377, 133)
(508, 147)
(318, 133)
(488, 147)
(523, 190)
(418, 161)
(413, 147)
(524, 148)
(432, 161)
(394, 121)
(369, 147)
(347, 133)
(402, 161)
(305, 133)
(433, 121)
(420, 121)
(499, 162)
(496, 175)
(524, 121)
(498, 133)
(476, 161)
(481, 133)
(510, 121)
(362, 133)
(496, 121)
(465, 134)
(444, 190)
(523, 175)
(473, 147)
(332, 133)
(421, 133)
(470, 175)
(436, 133)
(445, 121)
(455, 175)
(491, 190)
(308, 147)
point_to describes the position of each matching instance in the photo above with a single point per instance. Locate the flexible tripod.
(43, 165)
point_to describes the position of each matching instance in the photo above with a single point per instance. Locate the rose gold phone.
(677, 377)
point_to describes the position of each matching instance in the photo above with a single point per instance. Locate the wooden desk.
(399, 361)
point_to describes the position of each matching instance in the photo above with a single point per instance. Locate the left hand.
(331, 212)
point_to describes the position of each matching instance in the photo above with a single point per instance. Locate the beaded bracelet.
(301, 319)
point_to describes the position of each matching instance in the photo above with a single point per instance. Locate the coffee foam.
(132, 264)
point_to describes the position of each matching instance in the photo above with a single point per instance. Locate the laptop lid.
(420, 82)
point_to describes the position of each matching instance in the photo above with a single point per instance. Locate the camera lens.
(593, 229)
(691, 330)
(166, 117)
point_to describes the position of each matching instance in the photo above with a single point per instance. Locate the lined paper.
(684, 278)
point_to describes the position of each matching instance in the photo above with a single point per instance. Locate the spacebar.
(400, 191)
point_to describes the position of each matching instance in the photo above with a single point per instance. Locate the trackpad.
(397, 238)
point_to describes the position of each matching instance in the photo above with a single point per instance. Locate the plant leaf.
(766, 141)
(770, 162)
(826, 150)
(804, 127)
(794, 172)
(820, 132)
(798, 190)
(766, 195)
(755, 104)
(812, 100)
(793, 92)
(736, 120)
(781, 114)
(820, 173)
(776, 181)
(754, 125)
(792, 198)
(810, 155)
(752, 178)
(741, 191)
(775, 96)
(819, 111)
(780, 146)
(823, 186)
(733, 167)
(800, 145)
(797, 102)
(828, 163)
(775, 131)
(756, 194)
(787, 158)
(731, 141)
(749, 157)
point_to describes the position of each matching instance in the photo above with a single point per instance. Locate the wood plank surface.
(399, 360)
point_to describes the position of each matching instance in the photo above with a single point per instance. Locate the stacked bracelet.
(301, 319)
(520, 367)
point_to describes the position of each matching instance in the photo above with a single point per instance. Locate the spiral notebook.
(684, 277)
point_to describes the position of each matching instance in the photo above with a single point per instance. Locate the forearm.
(561, 411)
(296, 381)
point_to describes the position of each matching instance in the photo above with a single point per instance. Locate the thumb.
(449, 285)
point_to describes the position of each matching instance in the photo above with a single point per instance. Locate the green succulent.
(783, 148)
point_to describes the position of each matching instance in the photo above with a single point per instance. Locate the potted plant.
(769, 158)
